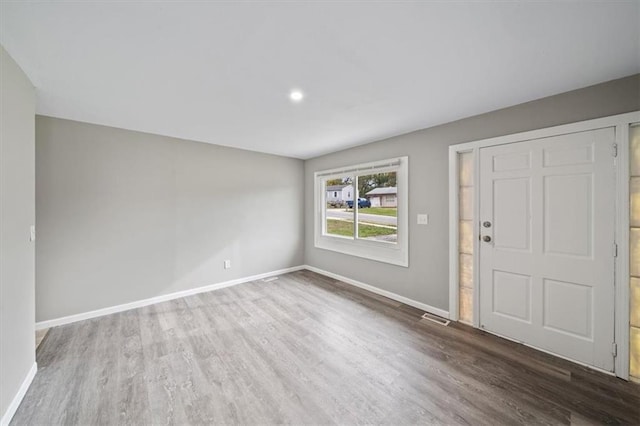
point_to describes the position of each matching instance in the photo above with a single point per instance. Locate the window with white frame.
(362, 210)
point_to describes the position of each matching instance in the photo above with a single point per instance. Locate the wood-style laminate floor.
(305, 349)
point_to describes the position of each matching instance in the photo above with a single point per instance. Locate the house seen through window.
(377, 207)
(361, 204)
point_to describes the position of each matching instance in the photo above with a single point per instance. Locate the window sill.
(371, 250)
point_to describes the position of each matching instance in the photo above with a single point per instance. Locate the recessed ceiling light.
(296, 95)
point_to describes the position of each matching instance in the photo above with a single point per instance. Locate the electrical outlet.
(227, 264)
(423, 219)
(32, 233)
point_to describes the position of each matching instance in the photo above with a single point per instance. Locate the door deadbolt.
(486, 239)
(486, 224)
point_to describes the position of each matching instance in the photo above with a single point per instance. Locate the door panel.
(546, 274)
(568, 222)
(560, 294)
(512, 295)
(511, 199)
(567, 156)
(511, 161)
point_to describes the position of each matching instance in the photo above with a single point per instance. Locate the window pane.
(339, 217)
(378, 207)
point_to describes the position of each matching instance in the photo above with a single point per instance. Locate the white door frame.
(621, 123)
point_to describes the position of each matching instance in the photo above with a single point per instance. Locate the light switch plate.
(227, 264)
(423, 219)
(32, 233)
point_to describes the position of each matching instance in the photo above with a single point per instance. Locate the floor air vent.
(266, 280)
(436, 319)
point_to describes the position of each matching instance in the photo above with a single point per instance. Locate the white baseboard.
(15, 403)
(153, 300)
(427, 308)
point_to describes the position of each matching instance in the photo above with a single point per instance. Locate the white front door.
(547, 211)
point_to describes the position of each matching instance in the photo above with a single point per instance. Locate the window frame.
(381, 251)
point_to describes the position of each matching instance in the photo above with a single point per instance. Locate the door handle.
(486, 239)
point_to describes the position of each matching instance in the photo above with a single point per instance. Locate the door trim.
(621, 124)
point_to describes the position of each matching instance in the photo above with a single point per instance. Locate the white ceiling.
(221, 72)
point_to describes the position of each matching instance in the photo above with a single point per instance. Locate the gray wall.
(17, 214)
(124, 216)
(427, 278)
